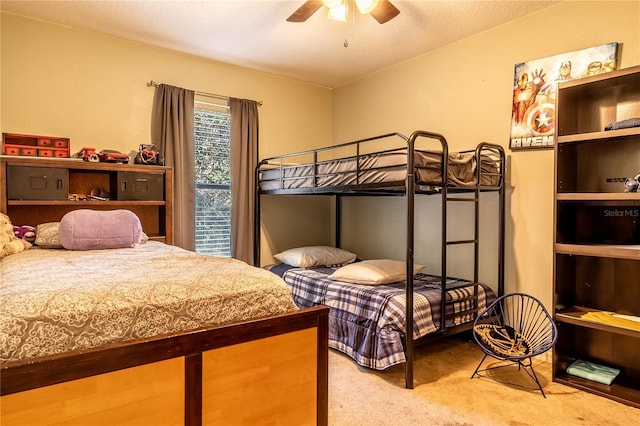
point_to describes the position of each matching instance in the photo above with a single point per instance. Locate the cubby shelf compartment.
(602, 347)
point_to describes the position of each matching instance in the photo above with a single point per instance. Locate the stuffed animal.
(25, 232)
(9, 243)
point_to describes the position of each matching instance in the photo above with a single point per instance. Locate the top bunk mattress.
(383, 168)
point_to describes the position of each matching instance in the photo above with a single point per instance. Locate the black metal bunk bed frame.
(409, 189)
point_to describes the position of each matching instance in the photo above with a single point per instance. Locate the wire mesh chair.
(515, 327)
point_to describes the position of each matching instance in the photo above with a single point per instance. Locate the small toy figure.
(76, 197)
(148, 154)
(87, 154)
(99, 194)
(112, 156)
(632, 185)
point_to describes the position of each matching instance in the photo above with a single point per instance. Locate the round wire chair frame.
(516, 327)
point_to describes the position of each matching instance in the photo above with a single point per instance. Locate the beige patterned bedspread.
(53, 301)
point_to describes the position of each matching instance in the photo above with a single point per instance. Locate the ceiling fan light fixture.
(338, 13)
(366, 6)
(381, 10)
(331, 4)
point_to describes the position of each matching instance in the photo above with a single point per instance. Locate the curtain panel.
(172, 132)
(244, 158)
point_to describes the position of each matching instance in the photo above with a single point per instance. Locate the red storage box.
(35, 146)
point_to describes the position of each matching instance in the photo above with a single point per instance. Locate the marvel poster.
(535, 87)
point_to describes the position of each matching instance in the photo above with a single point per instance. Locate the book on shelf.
(631, 322)
(592, 371)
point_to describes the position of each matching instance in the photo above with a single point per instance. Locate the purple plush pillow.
(96, 229)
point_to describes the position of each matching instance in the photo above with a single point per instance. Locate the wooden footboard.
(263, 371)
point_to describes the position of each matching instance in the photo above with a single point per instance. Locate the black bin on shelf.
(139, 186)
(37, 183)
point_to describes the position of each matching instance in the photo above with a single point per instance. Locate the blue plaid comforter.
(367, 323)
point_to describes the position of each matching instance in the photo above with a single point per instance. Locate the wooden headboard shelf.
(37, 190)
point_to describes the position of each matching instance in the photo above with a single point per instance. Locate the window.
(212, 130)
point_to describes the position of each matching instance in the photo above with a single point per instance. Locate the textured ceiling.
(255, 34)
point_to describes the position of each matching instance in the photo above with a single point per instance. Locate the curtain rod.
(209, 95)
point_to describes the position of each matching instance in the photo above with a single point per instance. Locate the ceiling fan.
(382, 10)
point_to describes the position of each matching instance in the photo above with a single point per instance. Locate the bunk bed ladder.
(470, 301)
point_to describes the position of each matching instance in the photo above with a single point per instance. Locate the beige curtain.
(172, 133)
(244, 158)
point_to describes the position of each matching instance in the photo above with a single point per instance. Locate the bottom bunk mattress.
(368, 322)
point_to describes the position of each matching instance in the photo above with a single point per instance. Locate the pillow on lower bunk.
(374, 272)
(96, 229)
(306, 257)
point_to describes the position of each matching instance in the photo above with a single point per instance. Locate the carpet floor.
(444, 394)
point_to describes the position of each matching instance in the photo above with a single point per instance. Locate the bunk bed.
(387, 165)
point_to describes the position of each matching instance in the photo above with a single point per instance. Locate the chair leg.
(533, 375)
(521, 366)
(478, 367)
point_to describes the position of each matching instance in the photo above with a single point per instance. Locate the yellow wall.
(464, 92)
(59, 81)
(65, 82)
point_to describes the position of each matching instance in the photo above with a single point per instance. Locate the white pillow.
(374, 272)
(305, 257)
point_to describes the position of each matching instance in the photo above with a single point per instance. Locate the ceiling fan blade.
(303, 13)
(384, 11)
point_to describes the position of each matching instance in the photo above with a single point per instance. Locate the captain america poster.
(535, 88)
